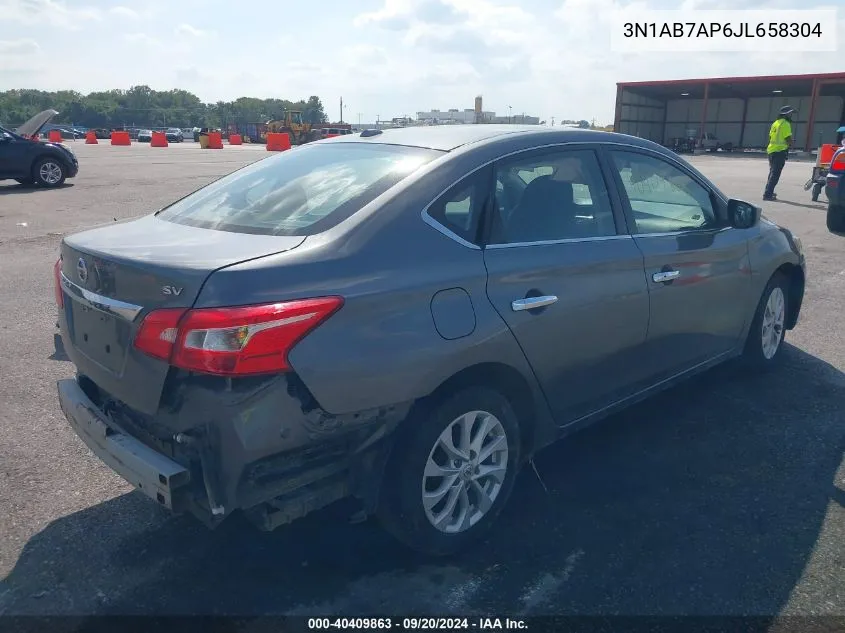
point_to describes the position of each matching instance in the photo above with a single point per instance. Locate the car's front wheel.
(451, 471)
(765, 338)
(49, 172)
(835, 218)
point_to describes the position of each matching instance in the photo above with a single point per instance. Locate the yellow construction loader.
(294, 125)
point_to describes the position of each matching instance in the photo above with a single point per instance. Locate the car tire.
(768, 329)
(49, 172)
(835, 218)
(419, 454)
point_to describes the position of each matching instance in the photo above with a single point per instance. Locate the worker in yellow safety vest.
(780, 140)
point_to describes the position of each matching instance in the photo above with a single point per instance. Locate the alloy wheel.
(465, 472)
(50, 173)
(774, 316)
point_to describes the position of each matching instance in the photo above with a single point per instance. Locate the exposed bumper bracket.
(154, 474)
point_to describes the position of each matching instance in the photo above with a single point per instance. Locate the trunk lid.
(113, 276)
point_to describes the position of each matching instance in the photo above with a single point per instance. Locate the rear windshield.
(303, 191)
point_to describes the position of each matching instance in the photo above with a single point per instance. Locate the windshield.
(299, 192)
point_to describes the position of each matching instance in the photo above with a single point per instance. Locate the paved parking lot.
(723, 496)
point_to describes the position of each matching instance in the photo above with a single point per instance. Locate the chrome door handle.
(530, 303)
(665, 275)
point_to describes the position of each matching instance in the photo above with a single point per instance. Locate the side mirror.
(743, 215)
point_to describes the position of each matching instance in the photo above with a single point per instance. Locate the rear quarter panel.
(382, 346)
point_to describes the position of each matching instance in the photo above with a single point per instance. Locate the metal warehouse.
(737, 111)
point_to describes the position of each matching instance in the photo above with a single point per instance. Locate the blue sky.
(384, 57)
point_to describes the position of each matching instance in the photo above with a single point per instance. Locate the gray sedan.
(405, 317)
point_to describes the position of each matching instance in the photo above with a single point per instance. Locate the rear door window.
(552, 195)
(300, 192)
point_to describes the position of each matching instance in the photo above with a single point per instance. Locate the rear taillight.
(838, 163)
(158, 331)
(232, 341)
(57, 283)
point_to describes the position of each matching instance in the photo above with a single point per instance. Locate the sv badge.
(171, 290)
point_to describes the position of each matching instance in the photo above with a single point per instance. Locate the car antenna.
(536, 472)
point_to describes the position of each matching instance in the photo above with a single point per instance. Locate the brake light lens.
(236, 341)
(158, 331)
(57, 283)
(839, 163)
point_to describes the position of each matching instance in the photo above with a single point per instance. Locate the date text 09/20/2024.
(721, 29)
(417, 624)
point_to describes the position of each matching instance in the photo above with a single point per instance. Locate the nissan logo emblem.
(82, 270)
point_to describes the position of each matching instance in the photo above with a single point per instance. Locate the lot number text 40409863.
(418, 624)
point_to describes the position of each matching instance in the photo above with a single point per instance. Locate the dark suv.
(34, 162)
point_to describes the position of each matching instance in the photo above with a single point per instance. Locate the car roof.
(450, 137)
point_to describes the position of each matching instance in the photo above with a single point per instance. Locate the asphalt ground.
(721, 496)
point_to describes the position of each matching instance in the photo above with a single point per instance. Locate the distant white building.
(453, 116)
(518, 119)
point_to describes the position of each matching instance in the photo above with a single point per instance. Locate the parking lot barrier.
(215, 140)
(54, 136)
(158, 139)
(235, 139)
(120, 138)
(278, 141)
(91, 138)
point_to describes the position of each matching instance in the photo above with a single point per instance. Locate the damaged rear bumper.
(154, 474)
(265, 449)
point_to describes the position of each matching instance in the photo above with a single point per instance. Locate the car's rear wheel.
(768, 329)
(835, 218)
(49, 172)
(451, 471)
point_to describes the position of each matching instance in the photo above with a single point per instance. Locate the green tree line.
(143, 106)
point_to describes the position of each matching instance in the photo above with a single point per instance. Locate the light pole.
(510, 109)
(359, 119)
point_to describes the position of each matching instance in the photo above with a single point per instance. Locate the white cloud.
(21, 59)
(125, 12)
(21, 47)
(143, 39)
(190, 31)
(394, 13)
(55, 13)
